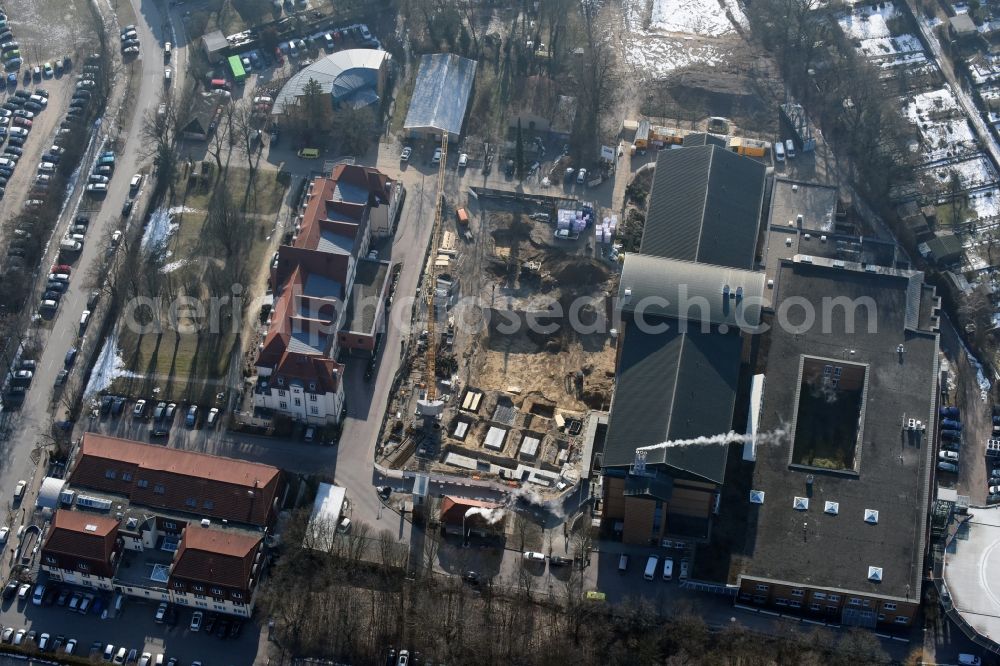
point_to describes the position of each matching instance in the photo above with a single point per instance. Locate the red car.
(22, 122)
(61, 268)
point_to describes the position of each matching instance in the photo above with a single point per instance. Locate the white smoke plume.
(531, 496)
(776, 436)
(492, 516)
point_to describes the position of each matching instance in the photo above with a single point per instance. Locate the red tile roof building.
(319, 293)
(221, 567)
(193, 483)
(82, 547)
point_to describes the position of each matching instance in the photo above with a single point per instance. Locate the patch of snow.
(655, 55)
(945, 132)
(695, 17)
(108, 367)
(973, 172)
(172, 266)
(986, 203)
(868, 22)
(158, 231)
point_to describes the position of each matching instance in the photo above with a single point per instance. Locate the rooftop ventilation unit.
(838, 263)
(875, 574)
(795, 188)
(205, 522)
(756, 496)
(770, 284)
(822, 239)
(788, 242)
(90, 527)
(798, 221)
(801, 503)
(832, 508)
(628, 294)
(871, 516)
(806, 259)
(806, 236)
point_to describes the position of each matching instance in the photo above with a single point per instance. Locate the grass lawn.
(404, 91)
(187, 365)
(945, 218)
(268, 192)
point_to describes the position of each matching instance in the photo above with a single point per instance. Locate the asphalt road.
(36, 416)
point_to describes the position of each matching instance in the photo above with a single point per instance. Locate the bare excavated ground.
(569, 357)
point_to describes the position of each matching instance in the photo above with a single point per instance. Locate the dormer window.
(281, 381)
(312, 386)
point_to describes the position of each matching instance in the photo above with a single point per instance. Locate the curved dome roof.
(349, 76)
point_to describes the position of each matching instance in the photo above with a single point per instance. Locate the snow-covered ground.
(694, 17)
(986, 203)
(108, 367)
(868, 25)
(868, 22)
(655, 55)
(158, 230)
(944, 130)
(976, 171)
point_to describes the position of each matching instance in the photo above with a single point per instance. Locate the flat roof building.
(844, 450)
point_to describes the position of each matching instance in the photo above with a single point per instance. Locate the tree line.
(352, 597)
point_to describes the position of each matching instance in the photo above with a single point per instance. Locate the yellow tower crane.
(430, 406)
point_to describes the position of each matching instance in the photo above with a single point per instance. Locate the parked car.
(533, 556)
(192, 416)
(196, 620)
(405, 155)
(140, 408)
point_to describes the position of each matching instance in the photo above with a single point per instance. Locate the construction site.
(518, 365)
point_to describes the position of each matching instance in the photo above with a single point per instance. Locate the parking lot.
(134, 627)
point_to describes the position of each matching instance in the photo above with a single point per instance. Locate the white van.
(623, 562)
(668, 568)
(84, 320)
(790, 148)
(651, 567)
(779, 152)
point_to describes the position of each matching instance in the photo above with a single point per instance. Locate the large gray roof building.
(440, 96)
(705, 206)
(839, 494)
(686, 298)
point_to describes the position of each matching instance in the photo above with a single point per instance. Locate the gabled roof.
(215, 557)
(674, 384)
(441, 93)
(82, 535)
(705, 206)
(453, 509)
(159, 476)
